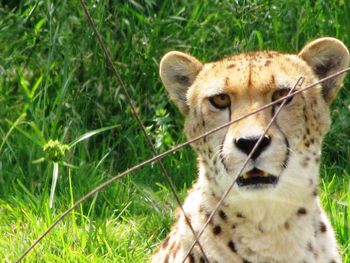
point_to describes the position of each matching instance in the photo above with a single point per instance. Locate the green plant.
(54, 84)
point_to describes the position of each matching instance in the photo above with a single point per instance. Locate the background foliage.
(54, 84)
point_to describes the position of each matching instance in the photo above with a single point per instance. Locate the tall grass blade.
(13, 126)
(54, 182)
(91, 133)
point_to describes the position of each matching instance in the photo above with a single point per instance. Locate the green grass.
(54, 84)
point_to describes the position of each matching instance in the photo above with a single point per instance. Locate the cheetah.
(273, 213)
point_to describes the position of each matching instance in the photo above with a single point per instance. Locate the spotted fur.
(279, 222)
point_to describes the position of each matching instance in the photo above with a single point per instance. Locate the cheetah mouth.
(256, 178)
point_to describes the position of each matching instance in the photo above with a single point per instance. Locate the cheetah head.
(286, 162)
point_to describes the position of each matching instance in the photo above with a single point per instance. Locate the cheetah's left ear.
(327, 56)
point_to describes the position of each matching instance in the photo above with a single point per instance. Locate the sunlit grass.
(55, 85)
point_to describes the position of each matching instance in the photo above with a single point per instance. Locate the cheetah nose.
(246, 145)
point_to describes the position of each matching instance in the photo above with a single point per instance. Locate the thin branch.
(134, 112)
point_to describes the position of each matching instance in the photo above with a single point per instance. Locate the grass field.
(55, 85)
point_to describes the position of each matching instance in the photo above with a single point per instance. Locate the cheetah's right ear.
(178, 72)
(327, 56)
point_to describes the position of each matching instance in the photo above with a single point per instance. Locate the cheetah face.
(238, 86)
(213, 94)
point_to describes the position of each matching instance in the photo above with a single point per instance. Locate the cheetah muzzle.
(272, 213)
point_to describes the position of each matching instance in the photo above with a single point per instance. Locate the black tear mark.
(222, 158)
(286, 159)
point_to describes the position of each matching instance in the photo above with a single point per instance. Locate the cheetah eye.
(220, 101)
(278, 94)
